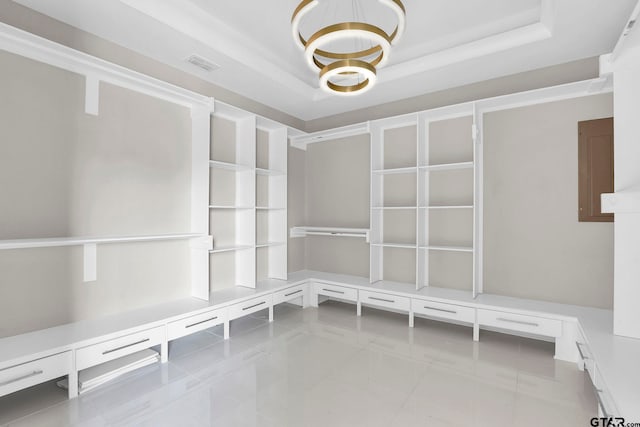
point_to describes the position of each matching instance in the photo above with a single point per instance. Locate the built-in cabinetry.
(424, 200)
(247, 199)
(219, 178)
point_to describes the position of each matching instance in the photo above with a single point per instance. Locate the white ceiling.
(447, 43)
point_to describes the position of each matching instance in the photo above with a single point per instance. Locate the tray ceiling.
(446, 44)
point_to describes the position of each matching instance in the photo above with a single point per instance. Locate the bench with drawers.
(40, 356)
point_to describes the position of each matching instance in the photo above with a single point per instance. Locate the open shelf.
(448, 166)
(229, 249)
(448, 248)
(78, 241)
(395, 171)
(269, 172)
(229, 207)
(393, 208)
(269, 244)
(395, 245)
(448, 207)
(228, 166)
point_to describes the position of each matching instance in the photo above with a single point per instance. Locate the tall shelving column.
(394, 168)
(271, 201)
(447, 197)
(232, 200)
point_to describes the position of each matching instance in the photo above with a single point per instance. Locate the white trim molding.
(96, 70)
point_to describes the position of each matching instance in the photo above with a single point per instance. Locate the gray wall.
(66, 173)
(534, 245)
(337, 194)
(296, 206)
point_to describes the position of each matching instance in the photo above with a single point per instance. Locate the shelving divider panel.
(376, 197)
(200, 170)
(478, 186)
(245, 268)
(422, 199)
(276, 203)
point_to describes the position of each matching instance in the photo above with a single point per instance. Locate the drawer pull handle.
(599, 392)
(200, 323)
(335, 292)
(383, 300)
(440, 309)
(125, 346)
(254, 305)
(293, 293)
(24, 377)
(582, 356)
(519, 322)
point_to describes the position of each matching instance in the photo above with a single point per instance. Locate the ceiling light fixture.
(359, 67)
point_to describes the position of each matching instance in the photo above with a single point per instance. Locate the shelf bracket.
(90, 262)
(92, 95)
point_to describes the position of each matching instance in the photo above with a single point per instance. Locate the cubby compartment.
(449, 228)
(394, 190)
(271, 151)
(452, 187)
(400, 147)
(450, 142)
(231, 188)
(399, 264)
(399, 226)
(233, 142)
(271, 191)
(271, 227)
(446, 269)
(232, 268)
(271, 261)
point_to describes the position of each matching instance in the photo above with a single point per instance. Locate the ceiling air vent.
(202, 63)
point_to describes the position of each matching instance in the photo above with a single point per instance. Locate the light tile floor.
(326, 367)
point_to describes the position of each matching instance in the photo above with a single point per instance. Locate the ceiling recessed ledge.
(446, 44)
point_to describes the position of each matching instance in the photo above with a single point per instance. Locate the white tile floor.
(326, 367)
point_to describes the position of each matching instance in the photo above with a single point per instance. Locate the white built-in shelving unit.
(247, 199)
(425, 199)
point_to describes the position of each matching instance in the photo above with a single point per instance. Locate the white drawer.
(31, 373)
(289, 294)
(251, 306)
(444, 311)
(335, 291)
(518, 322)
(109, 350)
(385, 300)
(193, 324)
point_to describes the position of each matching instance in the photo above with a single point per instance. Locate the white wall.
(627, 177)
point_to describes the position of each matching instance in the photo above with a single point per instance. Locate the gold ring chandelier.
(362, 63)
